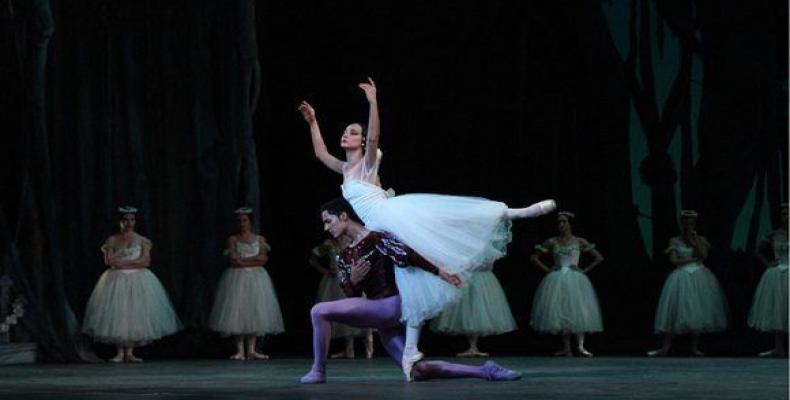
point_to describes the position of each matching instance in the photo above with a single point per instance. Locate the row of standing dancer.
(131, 309)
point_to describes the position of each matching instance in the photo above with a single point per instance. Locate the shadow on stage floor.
(378, 379)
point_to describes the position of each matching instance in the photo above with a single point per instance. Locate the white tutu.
(329, 290)
(458, 234)
(691, 301)
(129, 306)
(423, 294)
(769, 307)
(246, 304)
(565, 302)
(483, 309)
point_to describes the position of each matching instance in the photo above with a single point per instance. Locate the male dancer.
(366, 266)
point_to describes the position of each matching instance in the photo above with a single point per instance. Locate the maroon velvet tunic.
(383, 252)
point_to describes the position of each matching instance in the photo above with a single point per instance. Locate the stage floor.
(378, 379)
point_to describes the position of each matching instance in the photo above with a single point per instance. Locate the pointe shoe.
(472, 353)
(564, 352)
(237, 357)
(257, 356)
(546, 206)
(498, 373)
(313, 377)
(697, 353)
(584, 352)
(410, 357)
(662, 352)
(117, 359)
(132, 359)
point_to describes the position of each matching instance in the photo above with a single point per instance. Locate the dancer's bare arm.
(372, 142)
(319, 147)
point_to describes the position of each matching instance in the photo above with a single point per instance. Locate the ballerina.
(459, 234)
(769, 307)
(128, 306)
(692, 301)
(246, 305)
(565, 301)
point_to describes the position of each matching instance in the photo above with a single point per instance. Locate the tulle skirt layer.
(129, 307)
(483, 309)
(246, 304)
(565, 302)
(769, 306)
(691, 301)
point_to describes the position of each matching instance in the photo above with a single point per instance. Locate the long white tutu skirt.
(423, 294)
(691, 301)
(483, 309)
(246, 304)
(329, 290)
(565, 302)
(129, 306)
(769, 307)
(455, 233)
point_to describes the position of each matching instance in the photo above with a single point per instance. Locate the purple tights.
(384, 315)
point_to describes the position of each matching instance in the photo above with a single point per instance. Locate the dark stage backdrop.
(624, 111)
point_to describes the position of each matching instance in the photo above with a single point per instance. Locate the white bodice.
(126, 251)
(248, 250)
(685, 251)
(565, 255)
(362, 188)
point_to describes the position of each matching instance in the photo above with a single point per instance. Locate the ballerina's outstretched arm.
(372, 141)
(308, 112)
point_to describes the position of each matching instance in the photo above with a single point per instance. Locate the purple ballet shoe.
(499, 373)
(313, 377)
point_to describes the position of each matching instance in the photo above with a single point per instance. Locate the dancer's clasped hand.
(452, 279)
(359, 270)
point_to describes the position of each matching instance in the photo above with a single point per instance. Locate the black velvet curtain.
(186, 109)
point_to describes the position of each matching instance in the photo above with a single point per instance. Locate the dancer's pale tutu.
(457, 234)
(769, 306)
(482, 311)
(423, 294)
(129, 307)
(565, 302)
(246, 303)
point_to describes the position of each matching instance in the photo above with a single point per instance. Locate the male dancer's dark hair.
(338, 206)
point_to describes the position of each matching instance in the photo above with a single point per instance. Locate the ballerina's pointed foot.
(313, 377)
(584, 352)
(410, 357)
(237, 357)
(535, 210)
(697, 353)
(117, 359)
(546, 206)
